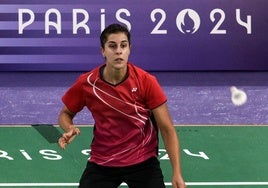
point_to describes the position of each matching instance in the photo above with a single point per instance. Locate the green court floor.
(212, 156)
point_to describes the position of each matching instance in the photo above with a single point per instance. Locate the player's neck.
(114, 76)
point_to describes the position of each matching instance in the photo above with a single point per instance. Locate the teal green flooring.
(211, 156)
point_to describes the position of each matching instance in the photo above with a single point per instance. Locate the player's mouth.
(119, 59)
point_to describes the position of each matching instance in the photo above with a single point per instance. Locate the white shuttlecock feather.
(238, 96)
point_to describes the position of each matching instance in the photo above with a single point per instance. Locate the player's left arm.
(171, 142)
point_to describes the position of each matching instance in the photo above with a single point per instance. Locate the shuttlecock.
(238, 96)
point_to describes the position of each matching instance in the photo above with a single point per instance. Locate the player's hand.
(68, 137)
(178, 182)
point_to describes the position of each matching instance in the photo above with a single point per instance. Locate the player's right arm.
(65, 121)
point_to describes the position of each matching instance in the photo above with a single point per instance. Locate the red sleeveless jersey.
(123, 131)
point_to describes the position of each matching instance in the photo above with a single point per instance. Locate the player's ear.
(129, 49)
(102, 52)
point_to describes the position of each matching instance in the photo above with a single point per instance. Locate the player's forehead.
(117, 38)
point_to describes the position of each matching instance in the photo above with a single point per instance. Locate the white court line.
(38, 184)
(123, 184)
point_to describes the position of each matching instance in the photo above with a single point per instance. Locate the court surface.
(212, 156)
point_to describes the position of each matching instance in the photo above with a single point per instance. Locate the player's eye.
(123, 45)
(113, 46)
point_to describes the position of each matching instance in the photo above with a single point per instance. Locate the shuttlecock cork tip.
(238, 96)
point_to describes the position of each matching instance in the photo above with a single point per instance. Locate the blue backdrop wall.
(167, 35)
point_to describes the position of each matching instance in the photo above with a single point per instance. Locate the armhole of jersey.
(152, 119)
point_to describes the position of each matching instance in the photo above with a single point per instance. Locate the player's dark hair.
(113, 29)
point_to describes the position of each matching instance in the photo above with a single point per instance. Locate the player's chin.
(119, 64)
